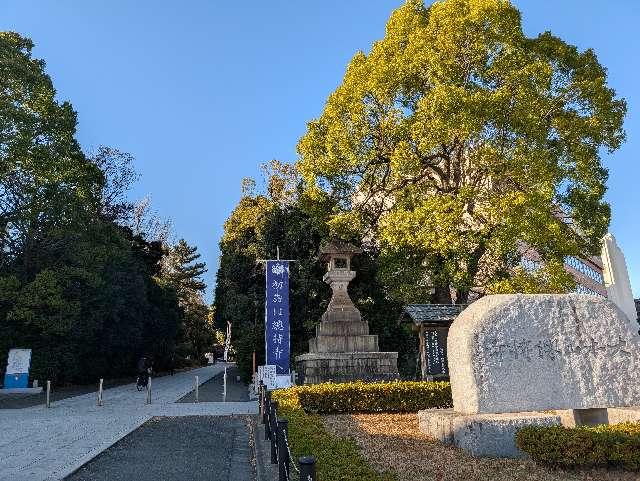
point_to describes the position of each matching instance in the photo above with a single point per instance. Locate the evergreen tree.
(184, 273)
(77, 286)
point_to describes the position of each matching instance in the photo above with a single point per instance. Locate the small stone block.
(489, 435)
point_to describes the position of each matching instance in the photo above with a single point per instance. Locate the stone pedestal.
(493, 435)
(490, 435)
(343, 350)
(315, 368)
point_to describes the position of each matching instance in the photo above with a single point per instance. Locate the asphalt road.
(211, 391)
(194, 448)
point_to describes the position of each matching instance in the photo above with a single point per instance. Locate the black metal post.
(283, 454)
(266, 415)
(307, 468)
(274, 432)
(261, 399)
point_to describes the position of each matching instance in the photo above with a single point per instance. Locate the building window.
(580, 289)
(584, 269)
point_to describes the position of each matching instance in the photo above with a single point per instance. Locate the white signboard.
(19, 361)
(267, 374)
(283, 381)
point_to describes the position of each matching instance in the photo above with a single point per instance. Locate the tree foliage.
(78, 285)
(279, 217)
(183, 272)
(459, 139)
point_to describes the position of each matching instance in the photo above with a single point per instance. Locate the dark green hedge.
(360, 397)
(587, 446)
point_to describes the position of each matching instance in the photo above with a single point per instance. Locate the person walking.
(172, 364)
(143, 373)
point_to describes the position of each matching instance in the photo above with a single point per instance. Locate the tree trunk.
(442, 295)
(462, 296)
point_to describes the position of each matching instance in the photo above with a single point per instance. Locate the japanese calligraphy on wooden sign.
(277, 315)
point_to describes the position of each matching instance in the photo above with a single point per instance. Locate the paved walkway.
(194, 448)
(212, 390)
(47, 444)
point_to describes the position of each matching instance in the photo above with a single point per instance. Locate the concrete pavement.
(48, 444)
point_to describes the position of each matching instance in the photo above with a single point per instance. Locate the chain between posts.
(276, 432)
(286, 443)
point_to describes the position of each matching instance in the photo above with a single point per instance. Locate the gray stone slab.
(518, 353)
(623, 415)
(488, 435)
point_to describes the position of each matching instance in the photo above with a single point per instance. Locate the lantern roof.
(337, 248)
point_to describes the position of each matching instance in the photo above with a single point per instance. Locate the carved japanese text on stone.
(516, 353)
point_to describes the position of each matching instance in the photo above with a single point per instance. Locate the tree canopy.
(459, 140)
(81, 267)
(275, 217)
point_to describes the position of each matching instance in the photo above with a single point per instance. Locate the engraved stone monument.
(516, 360)
(343, 350)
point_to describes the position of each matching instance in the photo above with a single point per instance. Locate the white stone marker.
(511, 357)
(616, 278)
(515, 353)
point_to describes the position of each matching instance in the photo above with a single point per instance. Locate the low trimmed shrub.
(586, 446)
(337, 459)
(360, 397)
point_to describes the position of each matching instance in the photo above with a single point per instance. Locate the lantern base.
(314, 368)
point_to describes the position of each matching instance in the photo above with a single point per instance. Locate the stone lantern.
(343, 350)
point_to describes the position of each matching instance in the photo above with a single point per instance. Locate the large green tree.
(279, 217)
(457, 142)
(77, 286)
(46, 182)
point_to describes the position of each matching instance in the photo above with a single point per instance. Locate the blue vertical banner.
(277, 315)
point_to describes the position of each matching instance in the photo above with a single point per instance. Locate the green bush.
(337, 459)
(360, 397)
(585, 446)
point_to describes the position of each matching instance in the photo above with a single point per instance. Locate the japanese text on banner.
(277, 315)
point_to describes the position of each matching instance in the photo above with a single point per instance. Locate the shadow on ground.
(58, 393)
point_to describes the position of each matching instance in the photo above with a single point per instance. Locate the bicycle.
(143, 380)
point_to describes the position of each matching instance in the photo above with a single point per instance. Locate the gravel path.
(175, 449)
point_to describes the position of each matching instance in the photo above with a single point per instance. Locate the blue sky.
(201, 92)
